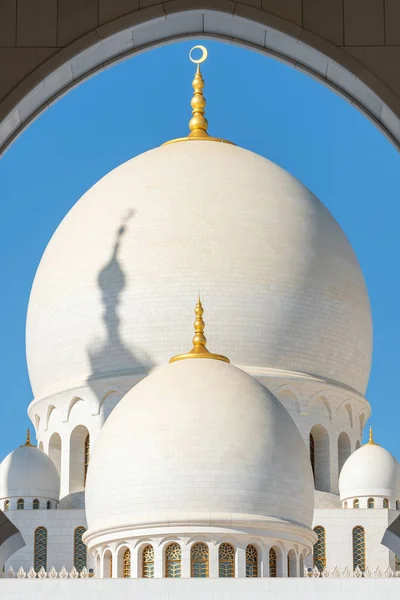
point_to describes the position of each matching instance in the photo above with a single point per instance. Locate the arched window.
(385, 503)
(291, 564)
(356, 503)
(127, 563)
(55, 450)
(6, 505)
(35, 504)
(199, 560)
(48, 504)
(173, 559)
(396, 563)
(79, 447)
(359, 547)
(87, 455)
(301, 566)
(251, 561)
(20, 504)
(40, 549)
(272, 563)
(312, 454)
(344, 449)
(397, 504)
(320, 457)
(107, 564)
(371, 503)
(319, 550)
(148, 562)
(79, 549)
(345, 504)
(226, 556)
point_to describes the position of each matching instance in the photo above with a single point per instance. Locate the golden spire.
(28, 439)
(199, 349)
(371, 438)
(198, 124)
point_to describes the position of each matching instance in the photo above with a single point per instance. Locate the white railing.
(43, 574)
(348, 574)
(312, 573)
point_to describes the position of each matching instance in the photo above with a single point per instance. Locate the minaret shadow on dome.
(198, 124)
(199, 349)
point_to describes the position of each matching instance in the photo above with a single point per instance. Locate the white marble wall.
(339, 525)
(60, 525)
(204, 589)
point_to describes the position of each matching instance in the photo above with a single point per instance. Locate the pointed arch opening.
(6, 505)
(107, 564)
(20, 504)
(319, 549)
(199, 560)
(79, 458)
(320, 458)
(371, 503)
(291, 564)
(385, 503)
(40, 549)
(301, 565)
(356, 503)
(251, 561)
(344, 449)
(124, 562)
(36, 504)
(148, 562)
(226, 560)
(359, 548)
(80, 551)
(275, 562)
(173, 561)
(55, 450)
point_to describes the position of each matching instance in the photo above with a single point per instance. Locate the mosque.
(239, 458)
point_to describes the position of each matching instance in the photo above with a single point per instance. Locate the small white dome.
(370, 471)
(198, 441)
(29, 472)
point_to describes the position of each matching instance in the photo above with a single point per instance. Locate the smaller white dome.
(217, 443)
(370, 471)
(29, 472)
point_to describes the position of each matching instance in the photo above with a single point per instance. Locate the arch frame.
(237, 23)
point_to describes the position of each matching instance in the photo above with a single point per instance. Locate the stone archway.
(48, 47)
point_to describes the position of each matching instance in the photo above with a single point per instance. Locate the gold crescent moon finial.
(203, 57)
(198, 123)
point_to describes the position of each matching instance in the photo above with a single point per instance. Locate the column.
(158, 562)
(264, 562)
(240, 560)
(65, 455)
(185, 565)
(134, 562)
(213, 564)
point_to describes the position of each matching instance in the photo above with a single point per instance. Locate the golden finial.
(371, 438)
(199, 349)
(198, 124)
(28, 439)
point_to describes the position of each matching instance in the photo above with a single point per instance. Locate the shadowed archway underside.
(48, 47)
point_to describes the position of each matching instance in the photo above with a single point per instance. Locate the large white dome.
(200, 442)
(127, 260)
(29, 472)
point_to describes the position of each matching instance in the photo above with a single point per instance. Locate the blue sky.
(255, 101)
